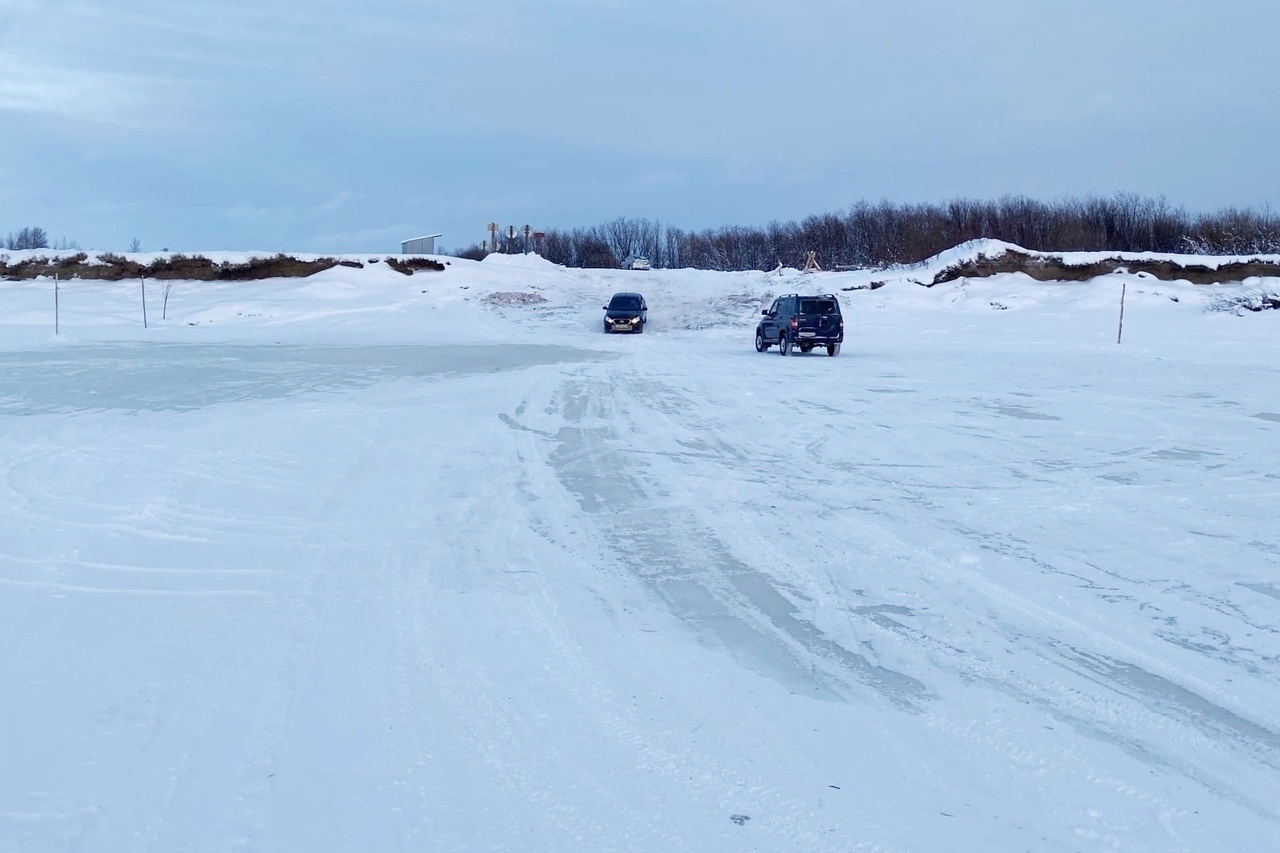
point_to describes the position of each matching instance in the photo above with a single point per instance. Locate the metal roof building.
(419, 245)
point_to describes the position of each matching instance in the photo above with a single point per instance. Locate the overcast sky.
(345, 126)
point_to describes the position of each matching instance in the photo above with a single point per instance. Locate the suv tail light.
(795, 324)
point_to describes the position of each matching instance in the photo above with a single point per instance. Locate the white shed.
(419, 245)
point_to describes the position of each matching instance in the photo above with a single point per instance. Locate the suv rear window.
(819, 306)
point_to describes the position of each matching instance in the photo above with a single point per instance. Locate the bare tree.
(476, 252)
(28, 238)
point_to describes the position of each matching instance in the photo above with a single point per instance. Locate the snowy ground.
(369, 562)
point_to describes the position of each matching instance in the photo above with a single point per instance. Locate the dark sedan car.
(626, 312)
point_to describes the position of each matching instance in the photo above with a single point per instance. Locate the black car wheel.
(761, 345)
(784, 344)
(832, 349)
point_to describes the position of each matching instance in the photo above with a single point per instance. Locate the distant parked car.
(801, 322)
(637, 263)
(626, 312)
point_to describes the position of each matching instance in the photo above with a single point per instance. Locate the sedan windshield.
(624, 303)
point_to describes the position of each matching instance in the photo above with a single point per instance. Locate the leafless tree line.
(27, 238)
(883, 234)
(33, 238)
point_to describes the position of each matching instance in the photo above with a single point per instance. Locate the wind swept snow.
(367, 561)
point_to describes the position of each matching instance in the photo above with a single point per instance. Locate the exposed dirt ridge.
(111, 267)
(1043, 267)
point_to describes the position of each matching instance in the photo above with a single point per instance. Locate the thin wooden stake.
(144, 301)
(1120, 330)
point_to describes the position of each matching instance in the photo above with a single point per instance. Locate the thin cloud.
(121, 99)
(661, 178)
(381, 238)
(336, 203)
(1073, 108)
(252, 213)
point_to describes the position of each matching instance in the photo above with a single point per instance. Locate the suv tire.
(833, 349)
(761, 345)
(784, 344)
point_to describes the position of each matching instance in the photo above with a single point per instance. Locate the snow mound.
(529, 261)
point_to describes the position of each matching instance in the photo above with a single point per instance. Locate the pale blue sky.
(330, 126)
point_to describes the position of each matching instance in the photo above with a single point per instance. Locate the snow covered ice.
(364, 561)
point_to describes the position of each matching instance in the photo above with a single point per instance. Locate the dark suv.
(801, 322)
(626, 312)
